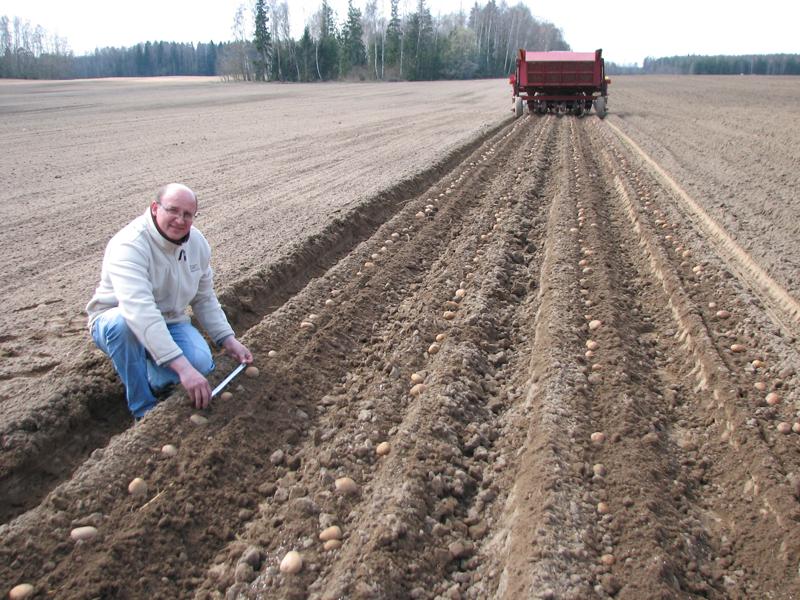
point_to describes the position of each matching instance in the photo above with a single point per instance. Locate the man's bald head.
(174, 210)
(176, 191)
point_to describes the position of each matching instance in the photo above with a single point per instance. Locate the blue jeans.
(140, 375)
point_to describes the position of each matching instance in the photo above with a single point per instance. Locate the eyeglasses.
(177, 213)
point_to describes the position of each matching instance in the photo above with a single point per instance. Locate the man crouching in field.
(153, 269)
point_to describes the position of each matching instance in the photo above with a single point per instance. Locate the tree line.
(750, 64)
(363, 45)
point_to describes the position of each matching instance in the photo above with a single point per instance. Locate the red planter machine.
(561, 82)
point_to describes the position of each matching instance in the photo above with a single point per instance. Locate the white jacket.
(153, 281)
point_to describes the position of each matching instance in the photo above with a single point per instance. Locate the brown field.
(615, 276)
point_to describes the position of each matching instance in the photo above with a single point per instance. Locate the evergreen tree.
(419, 48)
(263, 41)
(327, 51)
(353, 52)
(306, 56)
(393, 36)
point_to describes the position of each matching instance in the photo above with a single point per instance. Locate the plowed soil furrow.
(535, 378)
(729, 427)
(410, 503)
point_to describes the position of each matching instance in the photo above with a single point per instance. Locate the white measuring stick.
(228, 379)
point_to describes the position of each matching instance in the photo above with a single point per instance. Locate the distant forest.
(751, 64)
(362, 45)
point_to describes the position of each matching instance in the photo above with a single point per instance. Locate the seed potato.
(291, 563)
(137, 487)
(21, 592)
(251, 371)
(85, 533)
(346, 486)
(169, 450)
(333, 532)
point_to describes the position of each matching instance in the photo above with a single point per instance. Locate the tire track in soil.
(493, 486)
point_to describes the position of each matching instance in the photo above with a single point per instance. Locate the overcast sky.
(627, 30)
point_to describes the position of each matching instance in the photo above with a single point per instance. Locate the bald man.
(153, 269)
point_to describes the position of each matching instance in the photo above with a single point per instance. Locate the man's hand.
(237, 350)
(192, 381)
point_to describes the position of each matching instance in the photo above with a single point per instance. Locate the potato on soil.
(332, 544)
(417, 378)
(345, 485)
(433, 348)
(137, 487)
(334, 532)
(592, 345)
(598, 437)
(738, 348)
(198, 419)
(21, 591)
(383, 449)
(417, 389)
(783, 427)
(449, 315)
(441, 337)
(251, 371)
(292, 562)
(169, 450)
(226, 396)
(773, 399)
(85, 533)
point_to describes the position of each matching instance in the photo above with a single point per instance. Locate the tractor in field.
(560, 82)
